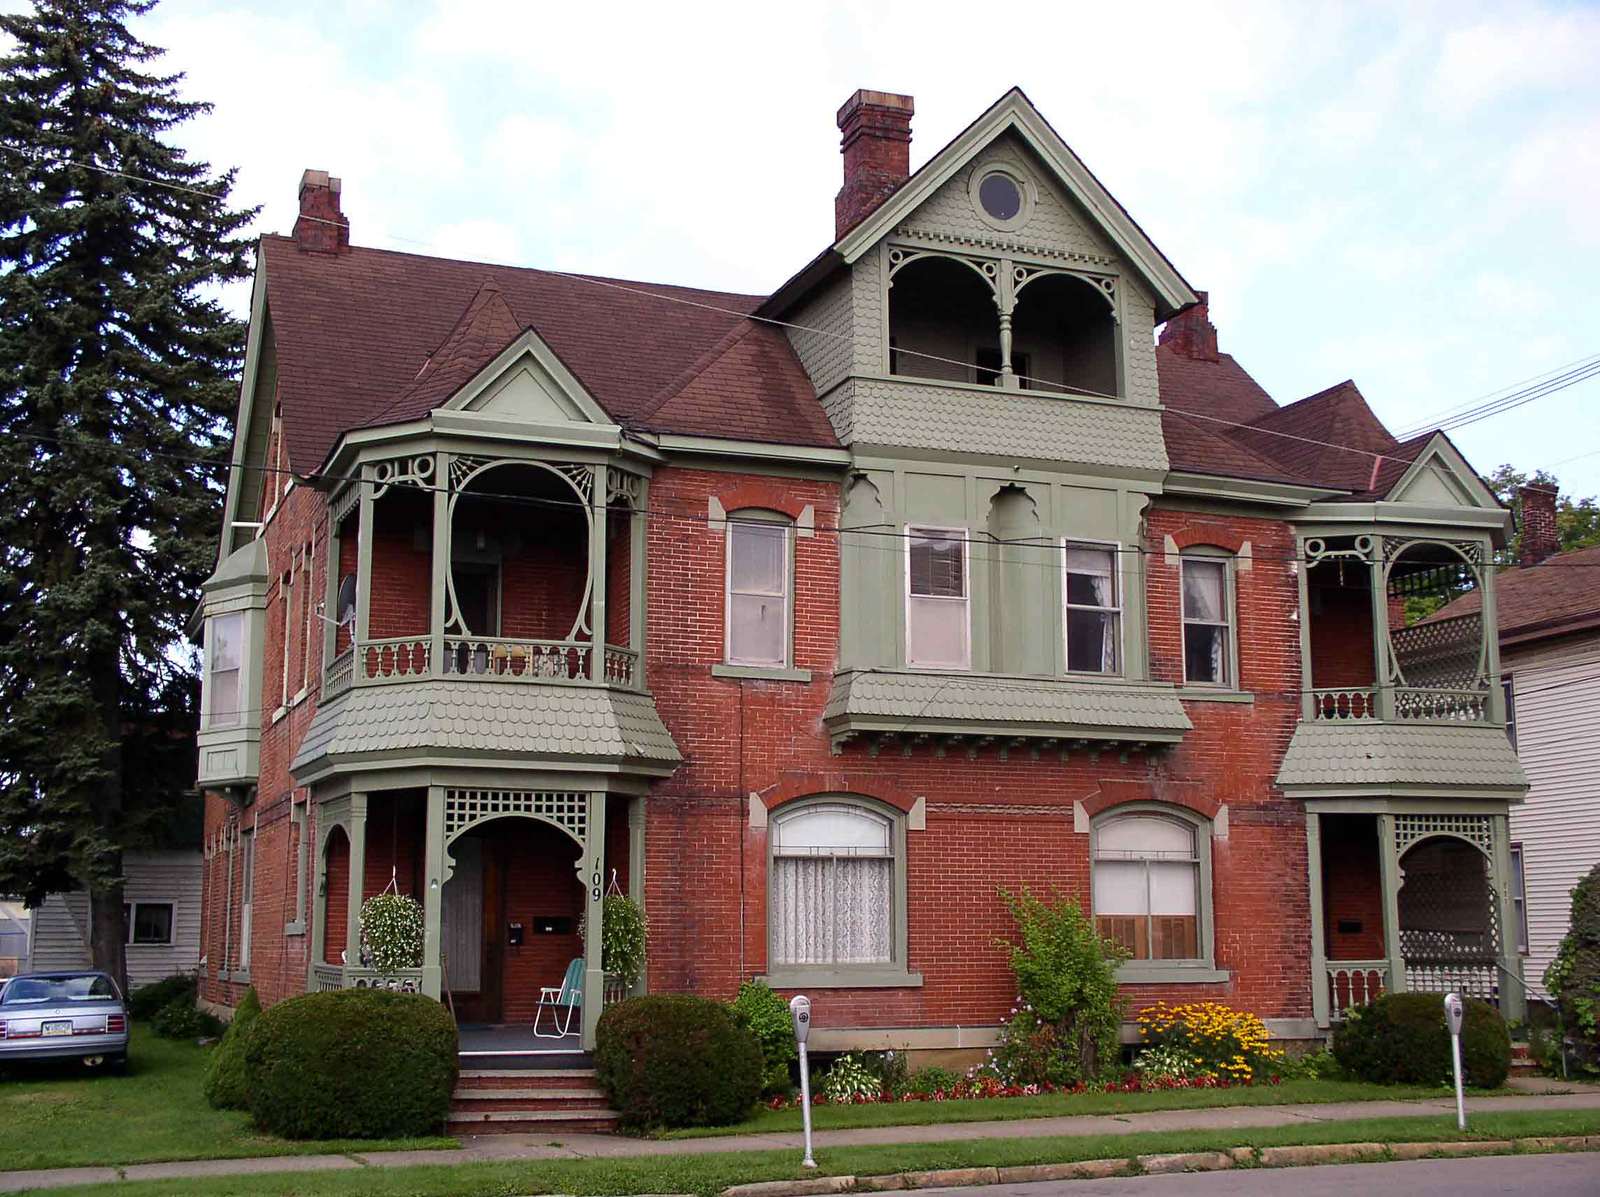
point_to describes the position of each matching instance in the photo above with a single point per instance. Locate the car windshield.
(43, 991)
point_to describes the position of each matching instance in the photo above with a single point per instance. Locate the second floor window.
(937, 622)
(1093, 610)
(1207, 648)
(758, 593)
(223, 650)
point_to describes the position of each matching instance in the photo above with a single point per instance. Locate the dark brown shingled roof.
(1561, 594)
(355, 330)
(1331, 436)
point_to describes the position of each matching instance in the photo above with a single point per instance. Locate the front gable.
(1441, 477)
(528, 383)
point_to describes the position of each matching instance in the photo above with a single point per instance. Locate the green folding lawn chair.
(563, 1001)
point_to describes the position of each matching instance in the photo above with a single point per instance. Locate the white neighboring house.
(1549, 616)
(13, 936)
(163, 919)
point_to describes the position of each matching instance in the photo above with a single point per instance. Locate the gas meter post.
(800, 1013)
(1452, 1019)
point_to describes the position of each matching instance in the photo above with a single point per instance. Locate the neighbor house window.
(1207, 623)
(1519, 898)
(224, 645)
(149, 923)
(1093, 610)
(758, 593)
(1509, 689)
(833, 886)
(1150, 870)
(937, 633)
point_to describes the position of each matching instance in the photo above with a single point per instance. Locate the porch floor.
(514, 1045)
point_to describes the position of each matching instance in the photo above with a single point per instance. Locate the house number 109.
(594, 886)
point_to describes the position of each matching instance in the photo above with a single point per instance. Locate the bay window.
(1093, 613)
(938, 634)
(1207, 622)
(758, 584)
(224, 658)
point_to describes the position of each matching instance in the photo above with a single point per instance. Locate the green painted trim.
(1436, 793)
(1321, 1000)
(1014, 112)
(356, 829)
(855, 724)
(1140, 972)
(760, 673)
(1440, 449)
(592, 877)
(980, 388)
(1389, 878)
(1246, 490)
(530, 344)
(1302, 574)
(1368, 805)
(1200, 694)
(1397, 519)
(811, 455)
(238, 475)
(822, 977)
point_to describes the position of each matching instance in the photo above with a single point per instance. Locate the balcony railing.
(1357, 703)
(1353, 983)
(340, 674)
(327, 977)
(1410, 703)
(478, 658)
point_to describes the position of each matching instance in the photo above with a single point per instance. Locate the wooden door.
(477, 986)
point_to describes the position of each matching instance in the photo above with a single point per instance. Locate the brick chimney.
(877, 154)
(1540, 539)
(1191, 334)
(321, 228)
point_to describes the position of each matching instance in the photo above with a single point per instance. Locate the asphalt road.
(1576, 1175)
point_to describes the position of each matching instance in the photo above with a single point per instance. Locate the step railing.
(1355, 983)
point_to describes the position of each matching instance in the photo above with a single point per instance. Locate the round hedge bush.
(353, 1064)
(676, 1061)
(1402, 1039)
(225, 1088)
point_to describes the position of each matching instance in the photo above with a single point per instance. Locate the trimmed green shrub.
(1574, 975)
(673, 1060)
(145, 1001)
(182, 1019)
(766, 1016)
(1402, 1039)
(225, 1088)
(351, 1064)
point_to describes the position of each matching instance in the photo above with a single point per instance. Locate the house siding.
(1556, 688)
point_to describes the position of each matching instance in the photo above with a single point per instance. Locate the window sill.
(279, 714)
(1170, 974)
(298, 927)
(300, 697)
(765, 673)
(132, 946)
(1202, 694)
(843, 978)
(238, 976)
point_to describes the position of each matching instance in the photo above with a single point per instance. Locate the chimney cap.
(867, 98)
(319, 179)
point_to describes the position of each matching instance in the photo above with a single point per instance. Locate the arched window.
(837, 881)
(1151, 882)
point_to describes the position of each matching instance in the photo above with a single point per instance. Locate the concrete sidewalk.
(486, 1148)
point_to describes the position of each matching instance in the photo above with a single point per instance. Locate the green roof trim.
(245, 566)
(487, 722)
(1364, 756)
(916, 703)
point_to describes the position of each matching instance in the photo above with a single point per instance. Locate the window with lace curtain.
(1207, 622)
(1093, 615)
(837, 888)
(1150, 882)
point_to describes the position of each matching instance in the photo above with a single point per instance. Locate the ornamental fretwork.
(566, 809)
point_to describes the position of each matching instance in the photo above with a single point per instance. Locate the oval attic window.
(1001, 196)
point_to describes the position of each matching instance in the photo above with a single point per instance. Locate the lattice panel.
(1446, 655)
(1475, 829)
(1470, 980)
(567, 809)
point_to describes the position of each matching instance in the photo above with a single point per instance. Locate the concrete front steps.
(1522, 1063)
(526, 1101)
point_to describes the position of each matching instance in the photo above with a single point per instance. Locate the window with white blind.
(938, 620)
(224, 651)
(1207, 622)
(286, 624)
(1150, 883)
(1093, 615)
(308, 613)
(758, 603)
(837, 891)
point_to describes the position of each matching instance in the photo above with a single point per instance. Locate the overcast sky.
(1407, 195)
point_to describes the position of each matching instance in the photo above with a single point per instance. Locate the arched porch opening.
(334, 900)
(1064, 336)
(1449, 924)
(943, 321)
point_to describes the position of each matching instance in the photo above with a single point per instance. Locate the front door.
(474, 928)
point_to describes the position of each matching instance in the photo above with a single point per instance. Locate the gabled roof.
(1561, 594)
(1331, 437)
(375, 336)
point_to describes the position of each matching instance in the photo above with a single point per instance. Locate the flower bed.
(984, 1088)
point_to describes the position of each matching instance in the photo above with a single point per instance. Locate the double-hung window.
(224, 646)
(286, 595)
(1519, 898)
(1093, 610)
(938, 632)
(758, 602)
(1207, 622)
(247, 892)
(308, 613)
(149, 924)
(1149, 876)
(833, 886)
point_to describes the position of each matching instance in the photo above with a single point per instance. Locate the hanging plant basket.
(391, 932)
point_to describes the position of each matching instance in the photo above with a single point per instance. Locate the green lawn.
(1055, 1105)
(707, 1174)
(156, 1112)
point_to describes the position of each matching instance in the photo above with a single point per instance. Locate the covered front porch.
(511, 881)
(1409, 896)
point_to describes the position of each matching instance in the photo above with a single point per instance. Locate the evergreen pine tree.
(117, 363)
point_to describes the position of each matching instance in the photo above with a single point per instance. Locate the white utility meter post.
(1452, 1019)
(800, 1012)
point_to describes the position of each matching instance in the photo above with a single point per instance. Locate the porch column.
(330, 595)
(318, 914)
(598, 509)
(363, 565)
(1380, 640)
(636, 830)
(1320, 1004)
(1005, 299)
(433, 894)
(1489, 634)
(593, 878)
(441, 565)
(1308, 700)
(1512, 987)
(1389, 875)
(357, 829)
(638, 544)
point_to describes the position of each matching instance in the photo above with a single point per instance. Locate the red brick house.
(812, 619)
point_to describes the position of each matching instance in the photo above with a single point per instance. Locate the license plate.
(61, 1026)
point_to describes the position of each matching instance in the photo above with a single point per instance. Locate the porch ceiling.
(1350, 756)
(486, 721)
